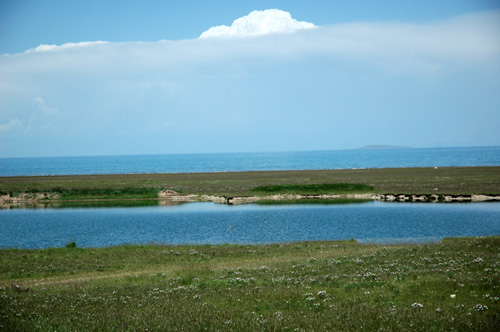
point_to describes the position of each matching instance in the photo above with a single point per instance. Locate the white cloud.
(12, 124)
(470, 38)
(209, 85)
(40, 103)
(259, 23)
(52, 47)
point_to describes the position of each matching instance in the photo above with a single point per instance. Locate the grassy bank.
(449, 180)
(319, 286)
(62, 193)
(311, 189)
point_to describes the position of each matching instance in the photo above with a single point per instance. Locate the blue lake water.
(225, 162)
(208, 223)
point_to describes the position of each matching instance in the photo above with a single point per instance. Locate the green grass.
(101, 193)
(447, 180)
(311, 286)
(311, 189)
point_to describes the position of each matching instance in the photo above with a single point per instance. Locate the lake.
(208, 223)
(239, 162)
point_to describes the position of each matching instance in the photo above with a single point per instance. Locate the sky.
(153, 77)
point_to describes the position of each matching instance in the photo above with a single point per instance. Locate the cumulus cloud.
(468, 38)
(259, 22)
(235, 85)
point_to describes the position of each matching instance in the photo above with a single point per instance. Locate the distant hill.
(379, 147)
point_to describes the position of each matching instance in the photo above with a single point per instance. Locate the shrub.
(72, 244)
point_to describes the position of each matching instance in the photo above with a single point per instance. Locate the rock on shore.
(167, 196)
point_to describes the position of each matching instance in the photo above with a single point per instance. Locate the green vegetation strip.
(446, 180)
(311, 189)
(311, 286)
(83, 193)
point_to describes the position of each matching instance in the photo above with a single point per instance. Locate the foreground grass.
(446, 180)
(318, 286)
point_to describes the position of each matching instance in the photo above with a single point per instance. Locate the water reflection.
(104, 204)
(90, 204)
(144, 203)
(337, 201)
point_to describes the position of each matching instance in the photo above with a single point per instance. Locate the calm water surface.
(208, 223)
(238, 162)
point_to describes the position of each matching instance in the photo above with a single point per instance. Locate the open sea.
(239, 162)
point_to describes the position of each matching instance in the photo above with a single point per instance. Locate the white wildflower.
(322, 294)
(480, 307)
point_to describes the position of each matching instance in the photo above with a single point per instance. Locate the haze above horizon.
(125, 78)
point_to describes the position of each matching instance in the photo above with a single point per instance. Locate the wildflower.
(453, 296)
(478, 260)
(322, 294)
(438, 309)
(480, 307)
(417, 305)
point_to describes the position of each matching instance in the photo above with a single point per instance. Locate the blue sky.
(134, 77)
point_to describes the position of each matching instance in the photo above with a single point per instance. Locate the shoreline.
(172, 199)
(448, 184)
(176, 197)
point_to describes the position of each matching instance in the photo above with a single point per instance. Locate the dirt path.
(247, 263)
(62, 280)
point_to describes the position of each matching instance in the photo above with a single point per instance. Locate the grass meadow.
(445, 180)
(310, 286)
